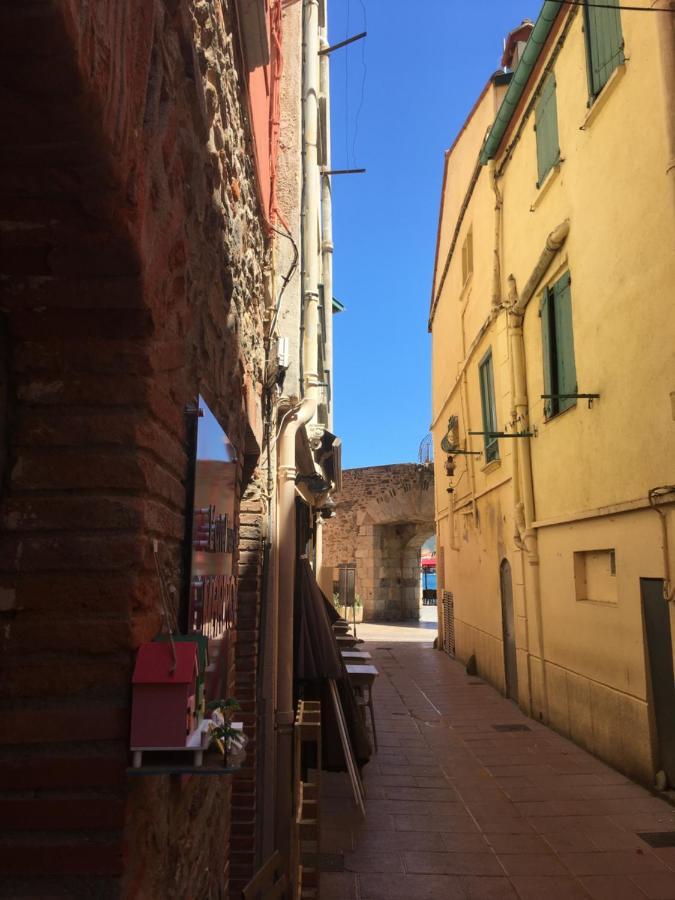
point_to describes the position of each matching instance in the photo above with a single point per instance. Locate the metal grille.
(448, 622)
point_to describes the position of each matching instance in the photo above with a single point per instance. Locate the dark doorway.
(659, 646)
(509, 630)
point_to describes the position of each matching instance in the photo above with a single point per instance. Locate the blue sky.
(426, 64)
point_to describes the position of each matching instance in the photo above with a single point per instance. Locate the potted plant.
(230, 740)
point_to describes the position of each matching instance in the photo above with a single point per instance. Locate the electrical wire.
(363, 81)
(615, 6)
(347, 86)
(287, 277)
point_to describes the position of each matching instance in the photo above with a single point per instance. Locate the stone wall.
(383, 516)
(132, 266)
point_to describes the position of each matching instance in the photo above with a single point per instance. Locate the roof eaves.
(533, 48)
(497, 78)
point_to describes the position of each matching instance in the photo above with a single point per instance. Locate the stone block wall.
(383, 516)
(132, 267)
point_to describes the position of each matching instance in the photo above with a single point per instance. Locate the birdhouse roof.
(154, 663)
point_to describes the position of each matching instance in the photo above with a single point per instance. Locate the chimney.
(514, 45)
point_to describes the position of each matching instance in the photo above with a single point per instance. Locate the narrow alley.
(469, 798)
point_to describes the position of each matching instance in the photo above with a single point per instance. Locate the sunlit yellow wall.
(474, 544)
(592, 468)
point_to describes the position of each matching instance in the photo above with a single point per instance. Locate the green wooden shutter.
(604, 42)
(546, 127)
(566, 369)
(545, 313)
(487, 399)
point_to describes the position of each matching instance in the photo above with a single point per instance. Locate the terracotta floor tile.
(505, 826)
(657, 886)
(364, 861)
(518, 843)
(487, 888)
(409, 887)
(538, 887)
(454, 805)
(667, 855)
(434, 823)
(439, 795)
(617, 862)
(427, 781)
(571, 842)
(338, 886)
(403, 840)
(463, 842)
(532, 864)
(612, 887)
(429, 863)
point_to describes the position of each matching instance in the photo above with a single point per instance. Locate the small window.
(546, 128)
(604, 42)
(560, 376)
(487, 399)
(467, 257)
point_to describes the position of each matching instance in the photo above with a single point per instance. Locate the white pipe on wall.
(286, 493)
(327, 226)
(310, 206)
(524, 501)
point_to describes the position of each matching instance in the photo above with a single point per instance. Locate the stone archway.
(383, 516)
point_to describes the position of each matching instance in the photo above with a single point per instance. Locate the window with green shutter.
(604, 42)
(487, 399)
(546, 128)
(560, 374)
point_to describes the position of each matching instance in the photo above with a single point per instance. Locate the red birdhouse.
(163, 712)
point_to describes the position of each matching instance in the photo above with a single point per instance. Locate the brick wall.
(132, 270)
(245, 799)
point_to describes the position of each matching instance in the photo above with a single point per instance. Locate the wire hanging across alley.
(656, 9)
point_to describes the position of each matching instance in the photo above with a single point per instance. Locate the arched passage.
(384, 515)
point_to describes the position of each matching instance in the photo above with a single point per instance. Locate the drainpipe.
(524, 506)
(554, 242)
(665, 24)
(327, 227)
(310, 231)
(287, 471)
(516, 396)
(496, 267)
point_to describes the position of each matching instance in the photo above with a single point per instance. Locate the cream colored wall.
(460, 168)
(473, 556)
(621, 302)
(585, 461)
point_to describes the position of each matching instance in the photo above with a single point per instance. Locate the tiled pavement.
(458, 808)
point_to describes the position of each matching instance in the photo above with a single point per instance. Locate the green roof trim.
(537, 39)
(337, 306)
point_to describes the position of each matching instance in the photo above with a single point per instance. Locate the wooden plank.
(355, 778)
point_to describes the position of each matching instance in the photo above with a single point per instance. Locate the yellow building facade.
(553, 382)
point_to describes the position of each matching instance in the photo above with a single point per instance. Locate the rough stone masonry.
(383, 516)
(132, 275)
